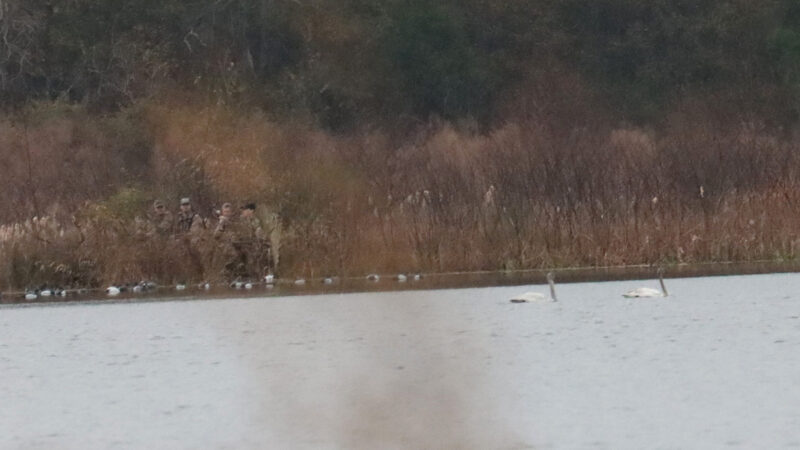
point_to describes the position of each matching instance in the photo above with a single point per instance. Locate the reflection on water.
(337, 285)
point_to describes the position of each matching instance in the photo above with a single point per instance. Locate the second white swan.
(645, 292)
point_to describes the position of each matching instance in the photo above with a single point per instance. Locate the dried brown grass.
(530, 193)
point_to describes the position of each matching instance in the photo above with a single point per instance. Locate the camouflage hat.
(249, 206)
(185, 201)
(158, 204)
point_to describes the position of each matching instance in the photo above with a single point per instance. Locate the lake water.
(715, 365)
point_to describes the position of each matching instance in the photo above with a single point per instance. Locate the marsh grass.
(530, 193)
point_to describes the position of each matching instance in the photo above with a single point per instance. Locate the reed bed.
(530, 193)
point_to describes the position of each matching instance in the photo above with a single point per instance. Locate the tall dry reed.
(532, 192)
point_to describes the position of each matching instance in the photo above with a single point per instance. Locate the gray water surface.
(715, 365)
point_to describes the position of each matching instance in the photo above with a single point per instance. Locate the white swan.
(30, 296)
(113, 290)
(645, 292)
(530, 297)
(401, 278)
(180, 287)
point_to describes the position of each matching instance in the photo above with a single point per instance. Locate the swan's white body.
(46, 293)
(300, 282)
(402, 278)
(113, 290)
(645, 292)
(180, 287)
(529, 297)
(532, 297)
(248, 286)
(30, 296)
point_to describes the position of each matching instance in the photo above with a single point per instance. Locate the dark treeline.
(351, 63)
(390, 135)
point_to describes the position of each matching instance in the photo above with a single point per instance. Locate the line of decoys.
(149, 286)
(641, 292)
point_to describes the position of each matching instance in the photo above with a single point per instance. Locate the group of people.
(238, 241)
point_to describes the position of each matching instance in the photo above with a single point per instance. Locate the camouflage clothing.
(228, 250)
(189, 236)
(244, 246)
(189, 222)
(161, 223)
(250, 230)
(224, 229)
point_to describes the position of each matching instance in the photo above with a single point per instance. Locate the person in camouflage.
(189, 222)
(228, 248)
(161, 220)
(254, 242)
(189, 229)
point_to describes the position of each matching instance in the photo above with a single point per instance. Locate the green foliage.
(785, 45)
(354, 63)
(645, 53)
(435, 65)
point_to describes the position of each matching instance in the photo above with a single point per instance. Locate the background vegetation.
(399, 135)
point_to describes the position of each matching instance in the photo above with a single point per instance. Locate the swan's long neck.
(663, 286)
(552, 287)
